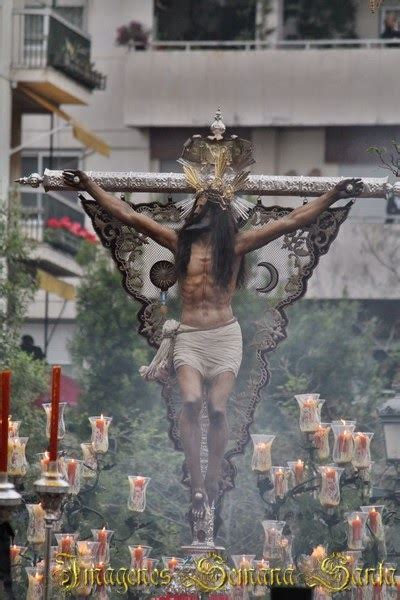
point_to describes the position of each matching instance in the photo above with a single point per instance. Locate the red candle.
(102, 539)
(14, 552)
(139, 483)
(5, 411)
(356, 527)
(299, 472)
(172, 563)
(138, 554)
(66, 544)
(373, 520)
(100, 424)
(55, 403)
(71, 472)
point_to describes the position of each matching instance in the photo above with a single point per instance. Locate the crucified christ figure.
(209, 253)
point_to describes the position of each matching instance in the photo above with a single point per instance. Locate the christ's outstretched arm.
(299, 218)
(165, 236)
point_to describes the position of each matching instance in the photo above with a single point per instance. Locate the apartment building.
(311, 107)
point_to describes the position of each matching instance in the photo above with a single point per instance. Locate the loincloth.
(210, 351)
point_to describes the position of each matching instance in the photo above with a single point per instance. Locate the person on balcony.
(391, 29)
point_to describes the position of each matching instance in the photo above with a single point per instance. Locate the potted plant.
(132, 35)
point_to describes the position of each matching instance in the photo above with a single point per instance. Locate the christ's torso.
(204, 303)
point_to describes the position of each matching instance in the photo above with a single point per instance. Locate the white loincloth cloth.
(210, 351)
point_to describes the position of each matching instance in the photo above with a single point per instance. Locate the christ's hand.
(76, 179)
(348, 188)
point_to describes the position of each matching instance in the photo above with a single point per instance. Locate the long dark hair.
(222, 229)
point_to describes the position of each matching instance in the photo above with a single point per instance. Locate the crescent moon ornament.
(274, 278)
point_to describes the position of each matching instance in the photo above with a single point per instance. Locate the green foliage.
(17, 287)
(324, 19)
(206, 20)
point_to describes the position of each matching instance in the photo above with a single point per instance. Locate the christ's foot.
(212, 488)
(199, 500)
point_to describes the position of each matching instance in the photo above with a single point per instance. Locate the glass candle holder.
(261, 459)
(13, 428)
(17, 463)
(89, 467)
(378, 592)
(320, 441)
(329, 495)
(310, 412)
(87, 551)
(61, 422)
(356, 529)
(137, 492)
(261, 567)
(397, 587)
(36, 531)
(280, 479)
(72, 473)
(273, 534)
(100, 426)
(321, 593)
(343, 448)
(138, 554)
(362, 449)
(35, 583)
(374, 521)
(286, 544)
(66, 542)
(353, 558)
(103, 536)
(172, 563)
(297, 469)
(15, 554)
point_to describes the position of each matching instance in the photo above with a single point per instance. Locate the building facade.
(310, 107)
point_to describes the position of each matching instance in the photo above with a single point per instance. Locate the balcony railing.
(37, 211)
(41, 39)
(276, 45)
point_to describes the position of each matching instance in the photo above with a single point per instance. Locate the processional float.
(277, 278)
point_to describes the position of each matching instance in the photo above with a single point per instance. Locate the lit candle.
(100, 427)
(5, 410)
(139, 482)
(279, 483)
(44, 462)
(66, 544)
(102, 539)
(244, 563)
(35, 587)
(362, 452)
(374, 519)
(138, 554)
(172, 563)
(356, 527)
(15, 552)
(317, 556)
(299, 472)
(55, 402)
(71, 472)
(100, 424)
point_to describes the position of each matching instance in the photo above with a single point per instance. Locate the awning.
(81, 133)
(51, 284)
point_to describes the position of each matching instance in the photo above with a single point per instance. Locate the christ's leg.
(218, 433)
(190, 383)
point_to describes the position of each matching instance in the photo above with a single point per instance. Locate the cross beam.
(257, 185)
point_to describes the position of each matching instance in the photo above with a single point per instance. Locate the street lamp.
(389, 415)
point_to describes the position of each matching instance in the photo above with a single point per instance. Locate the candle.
(71, 472)
(362, 452)
(244, 563)
(44, 462)
(66, 544)
(15, 551)
(55, 402)
(138, 554)
(172, 563)
(5, 410)
(35, 585)
(100, 427)
(374, 520)
(317, 556)
(356, 527)
(299, 472)
(102, 539)
(139, 482)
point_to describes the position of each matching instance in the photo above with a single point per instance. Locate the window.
(60, 204)
(387, 10)
(73, 14)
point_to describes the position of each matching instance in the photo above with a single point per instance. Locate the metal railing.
(41, 38)
(269, 45)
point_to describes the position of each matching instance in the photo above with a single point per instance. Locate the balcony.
(55, 248)
(258, 84)
(52, 57)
